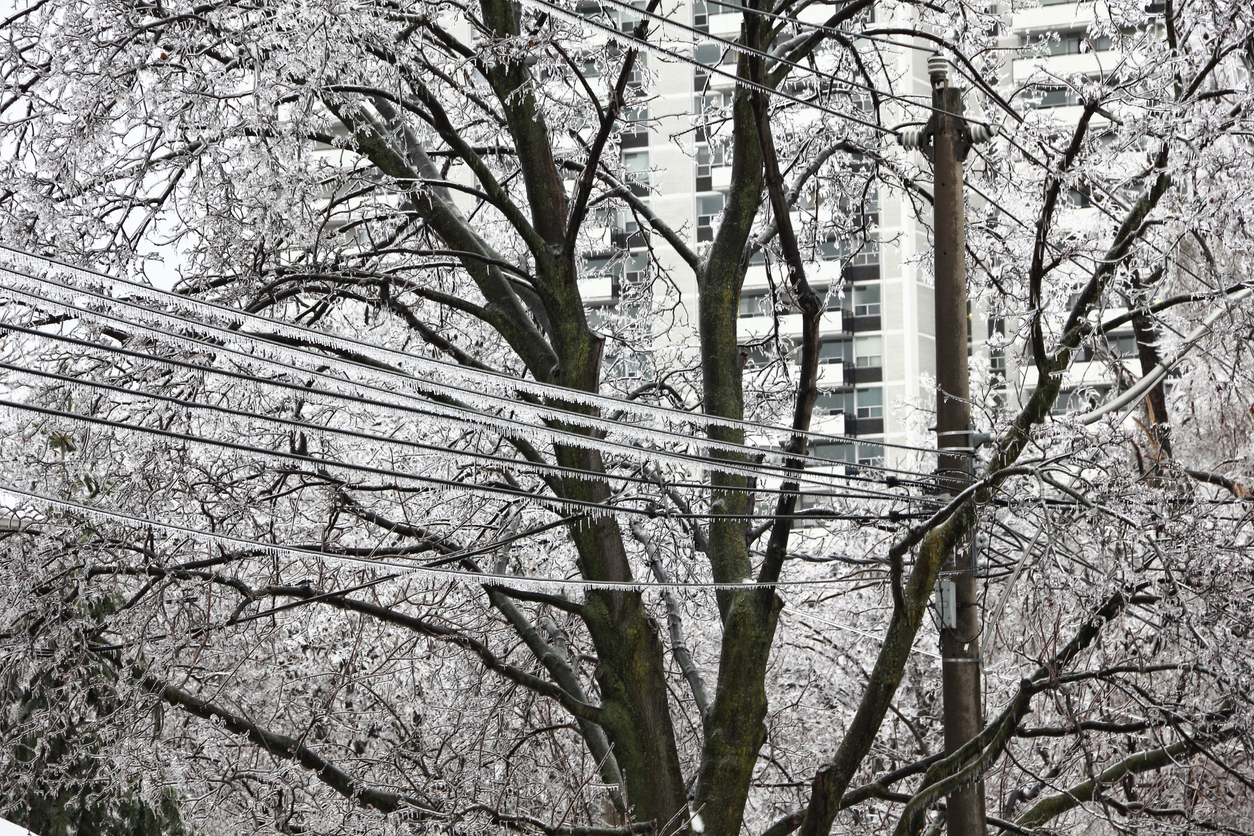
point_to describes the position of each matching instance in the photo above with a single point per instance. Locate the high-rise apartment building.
(878, 349)
(877, 324)
(1072, 40)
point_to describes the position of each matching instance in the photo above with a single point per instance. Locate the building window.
(871, 454)
(708, 53)
(1077, 400)
(753, 304)
(834, 403)
(870, 403)
(628, 18)
(758, 356)
(1057, 97)
(835, 351)
(626, 233)
(836, 451)
(598, 266)
(859, 246)
(635, 127)
(830, 298)
(868, 352)
(708, 159)
(1077, 42)
(709, 207)
(636, 167)
(1123, 345)
(849, 249)
(711, 105)
(866, 300)
(635, 270)
(639, 70)
(627, 364)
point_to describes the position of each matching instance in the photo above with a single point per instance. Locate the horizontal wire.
(337, 343)
(715, 465)
(525, 582)
(550, 502)
(535, 468)
(437, 408)
(330, 464)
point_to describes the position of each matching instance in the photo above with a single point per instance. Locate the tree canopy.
(371, 523)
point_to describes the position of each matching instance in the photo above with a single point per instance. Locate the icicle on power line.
(449, 486)
(507, 427)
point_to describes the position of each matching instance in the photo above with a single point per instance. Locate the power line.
(206, 311)
(436, 368)
(562, 504)
(465, 578)
(435, 408)
(427, 409)
(536, 468)
(748, 468)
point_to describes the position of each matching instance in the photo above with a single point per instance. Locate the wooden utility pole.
(956, 593)
(960, 640)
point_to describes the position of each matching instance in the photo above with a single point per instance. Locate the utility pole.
(949, 137)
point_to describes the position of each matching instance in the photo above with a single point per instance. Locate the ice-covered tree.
(236, 511)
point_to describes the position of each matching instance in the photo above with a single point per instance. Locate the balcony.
(720, 178)
(863, 374)
(829, 424)
(724, 24)
(790, 325)
(832, 376)
(627, 240)
(859, 324)
(634, 139)
(597, 288)
(864, 426)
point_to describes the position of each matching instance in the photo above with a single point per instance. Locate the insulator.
(938, 68)
(983, 133)
(913, 137)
